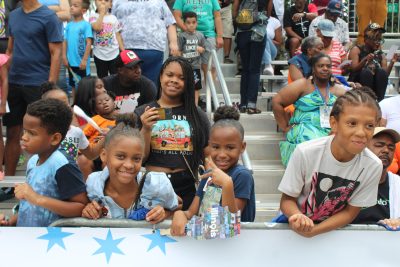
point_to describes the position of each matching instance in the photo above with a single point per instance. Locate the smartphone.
(165, 113)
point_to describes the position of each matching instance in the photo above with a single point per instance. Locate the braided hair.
(356, 97)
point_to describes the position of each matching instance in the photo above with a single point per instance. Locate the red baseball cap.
(129, 58)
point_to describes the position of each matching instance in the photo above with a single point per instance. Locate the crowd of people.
(141, 113)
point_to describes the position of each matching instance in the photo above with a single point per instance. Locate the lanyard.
(327, 93)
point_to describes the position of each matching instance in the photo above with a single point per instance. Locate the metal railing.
(392, 23)
(211, 95)
(126, 223)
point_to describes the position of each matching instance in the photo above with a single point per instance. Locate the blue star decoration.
(55, 236)
(158, 240)
(108, 246)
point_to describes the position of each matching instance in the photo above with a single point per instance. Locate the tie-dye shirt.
(58, 177)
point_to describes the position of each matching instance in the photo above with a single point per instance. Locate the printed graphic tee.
(73, 141)
(172, 138)
(105, 44)
(188, 44)
(76, 34)
(323, 185)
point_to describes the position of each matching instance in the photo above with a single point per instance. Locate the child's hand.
(200, 49)
(178, 224)
(155, 215)
(25, 191)
(218, 176)
(3, 220)
(392, 223)
(301, 224)
(149, 117)
(82, 66)
(92, 210)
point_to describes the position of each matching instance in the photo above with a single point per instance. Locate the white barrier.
(258, 245)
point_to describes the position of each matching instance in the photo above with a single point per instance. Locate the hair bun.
(128, 119)
(226, 113)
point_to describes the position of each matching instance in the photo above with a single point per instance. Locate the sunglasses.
(376, 41)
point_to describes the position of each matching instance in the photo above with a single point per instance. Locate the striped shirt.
(337, 53)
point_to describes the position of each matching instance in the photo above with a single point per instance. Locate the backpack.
(248, 14)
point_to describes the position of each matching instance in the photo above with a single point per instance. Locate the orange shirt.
(91, 133)
(394, 167)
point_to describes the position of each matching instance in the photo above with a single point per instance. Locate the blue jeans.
(152, 62)
(251, 54)
(270, 52)
(62, 79)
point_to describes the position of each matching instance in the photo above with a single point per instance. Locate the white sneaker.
(268, 70)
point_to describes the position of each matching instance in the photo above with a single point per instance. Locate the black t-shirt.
(300, 27)
(143, 91)
(172, 137)
(378, 212)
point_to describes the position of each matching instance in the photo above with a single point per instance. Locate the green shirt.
(205, 13)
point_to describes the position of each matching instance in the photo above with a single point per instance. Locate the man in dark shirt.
(129, 85)
(383, 145)
(296, 22)
(34, 44)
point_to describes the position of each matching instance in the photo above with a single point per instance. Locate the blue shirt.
(32, 32)
(58, 177)
(243, 186)
(301, 62)
(50, 2)
(76, 34)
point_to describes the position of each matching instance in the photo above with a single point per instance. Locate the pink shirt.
(337, 53)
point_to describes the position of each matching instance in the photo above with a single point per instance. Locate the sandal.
(242, 109)
(251, 111)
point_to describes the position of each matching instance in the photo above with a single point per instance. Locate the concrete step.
(263, 146)
(267, 207)
(263, 100)
(267, 175)
(264, 122)
(271, 83)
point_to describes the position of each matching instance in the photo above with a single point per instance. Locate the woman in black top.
(369, 65)
(175, 130)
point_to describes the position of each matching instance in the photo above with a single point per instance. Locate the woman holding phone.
(175, 130)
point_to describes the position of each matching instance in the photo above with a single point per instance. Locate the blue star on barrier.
(158, 240)
(108, 246)
(55, 236)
